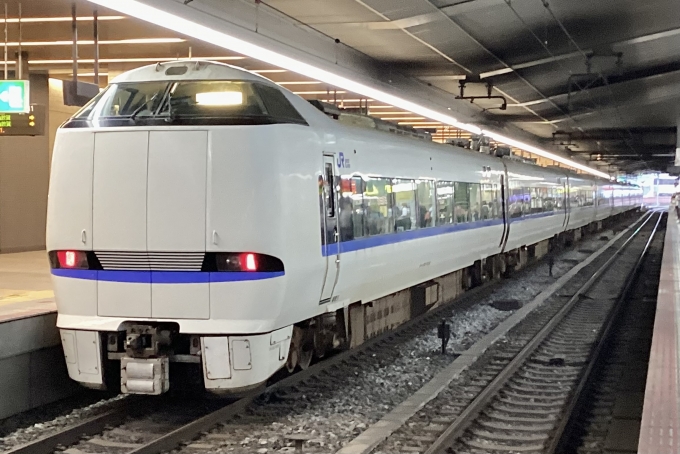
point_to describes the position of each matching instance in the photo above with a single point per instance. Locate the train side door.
(566, 201)
(504, 207)
(330, 235)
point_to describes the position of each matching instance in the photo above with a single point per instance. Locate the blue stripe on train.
(393, 238)
(165, 277)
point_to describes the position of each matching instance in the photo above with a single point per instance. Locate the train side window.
(475, 191)
(536, 201)
(404, 209)
(425, 203)
(378, 200)
(276, 103)
(351, 216)
(515, 202)
(588, 199)
(329, 190)
(489, 208)
(461, 198)
(549, 200)
(444, 203)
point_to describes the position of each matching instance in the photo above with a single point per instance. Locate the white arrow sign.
(13, 96)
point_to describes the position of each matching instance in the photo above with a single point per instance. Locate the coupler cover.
(144, 375)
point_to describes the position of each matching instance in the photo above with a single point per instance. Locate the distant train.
(201, 214)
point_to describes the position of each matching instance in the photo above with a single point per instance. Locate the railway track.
(607, 415)
(149, 426)
(519, 396)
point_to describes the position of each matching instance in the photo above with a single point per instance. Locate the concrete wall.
(24, 172)
(32, 364)
(24, 175)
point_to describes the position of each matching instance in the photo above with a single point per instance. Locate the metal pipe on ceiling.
(20, 57)
(74, 50)
(6, 69)
(95, 15)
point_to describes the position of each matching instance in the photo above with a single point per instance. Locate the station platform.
(660, 427)
(31, 358)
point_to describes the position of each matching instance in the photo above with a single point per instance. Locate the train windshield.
(190, 102)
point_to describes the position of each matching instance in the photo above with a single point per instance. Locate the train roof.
(188, 70)
(208, 70)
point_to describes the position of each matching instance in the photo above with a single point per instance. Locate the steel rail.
(72, 434)
(603, 339)
(461, 423)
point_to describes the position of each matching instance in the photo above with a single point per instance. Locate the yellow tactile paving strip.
(25, 287)
(8, 296)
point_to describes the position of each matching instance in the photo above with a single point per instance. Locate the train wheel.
(294, 351)
(321, 344)
(306, 355)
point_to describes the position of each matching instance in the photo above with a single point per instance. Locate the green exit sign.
(14, 96)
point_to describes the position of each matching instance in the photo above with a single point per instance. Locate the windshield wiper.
(140, 108)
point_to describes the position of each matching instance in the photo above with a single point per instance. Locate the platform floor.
(25, 286)
(660, 428)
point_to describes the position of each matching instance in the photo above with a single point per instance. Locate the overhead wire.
(602, 76)
(596, 106)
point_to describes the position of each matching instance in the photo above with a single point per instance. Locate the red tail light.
(72, 259)
(243, 261)
(248, 262)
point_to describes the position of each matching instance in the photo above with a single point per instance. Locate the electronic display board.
(23, 124)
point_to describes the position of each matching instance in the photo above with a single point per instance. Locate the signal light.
(72, 259)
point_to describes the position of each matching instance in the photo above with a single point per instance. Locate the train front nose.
(149, 224)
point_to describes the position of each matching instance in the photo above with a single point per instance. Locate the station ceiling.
(599, 79)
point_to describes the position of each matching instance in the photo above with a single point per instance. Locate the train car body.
(201, 215)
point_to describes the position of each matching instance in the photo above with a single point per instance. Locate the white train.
(201, 214)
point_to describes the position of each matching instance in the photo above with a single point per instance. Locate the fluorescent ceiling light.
(317, 92)
(387, 113)
(402, 118)
(311, 82)
(15, 20)
(351, 100)
(87, 42)
(543, 153)
(120, 60)
(421, 123)
(266, 71)
(497, 72)
(528, 103)
(449, 77)
(183, 26)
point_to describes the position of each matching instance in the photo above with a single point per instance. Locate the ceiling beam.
(607, 133)
(616, 45)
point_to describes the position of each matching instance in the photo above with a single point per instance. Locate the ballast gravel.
(23, 428)
(330, 415)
